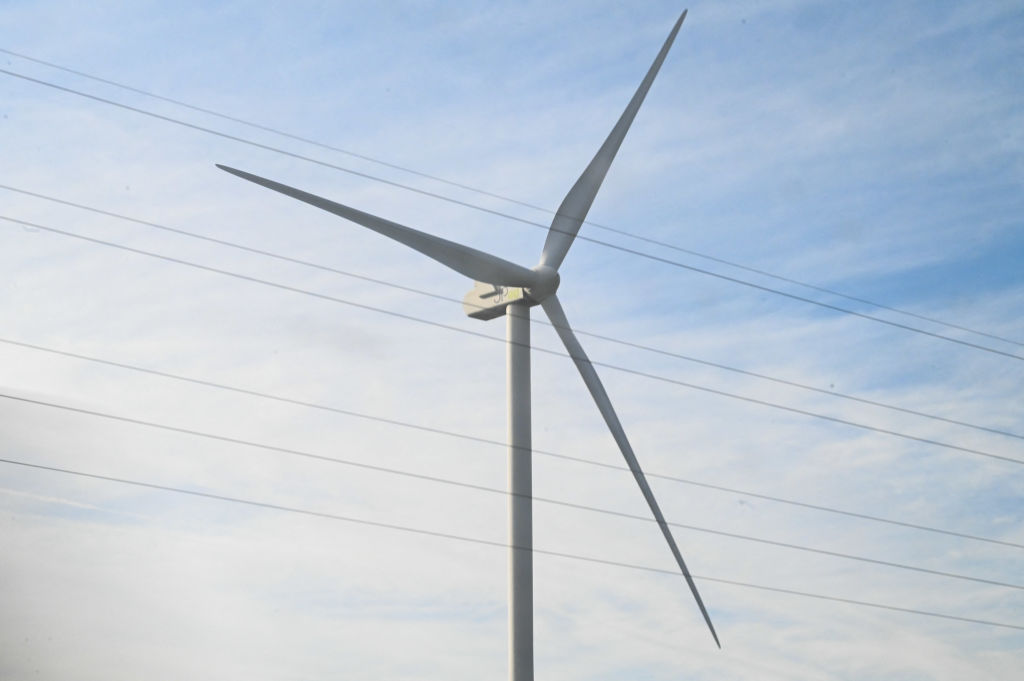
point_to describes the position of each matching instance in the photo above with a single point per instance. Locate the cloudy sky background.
(870, 149)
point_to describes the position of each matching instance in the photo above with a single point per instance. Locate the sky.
(801, 286)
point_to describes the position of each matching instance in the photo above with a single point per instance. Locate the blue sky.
(871, 149)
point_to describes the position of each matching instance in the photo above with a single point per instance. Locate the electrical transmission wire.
(494, 195)
(493, 490)
(438, 296)
(633, 372)
(487, 542)
(466, 204)
(481, 440)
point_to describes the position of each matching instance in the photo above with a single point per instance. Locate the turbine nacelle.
(488, 301)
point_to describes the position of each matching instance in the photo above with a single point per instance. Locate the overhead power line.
(466, 204)
(502, 197)
(487, 441)
(633, 372)
(487, 542)
(493, 490)
(437, 296)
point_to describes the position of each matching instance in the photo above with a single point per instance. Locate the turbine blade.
(557, 316)
(577, 202)
(474, 264)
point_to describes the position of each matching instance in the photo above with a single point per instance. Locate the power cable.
(481, 440)
(437, 296)
(518, 202)
(487, 542)
(633, 372)
(441, 197)
(494, 490)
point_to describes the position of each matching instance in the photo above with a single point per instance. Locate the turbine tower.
(505, 288)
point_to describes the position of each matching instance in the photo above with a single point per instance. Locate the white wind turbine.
(503, 287)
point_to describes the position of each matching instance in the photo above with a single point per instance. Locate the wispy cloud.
(870, 149)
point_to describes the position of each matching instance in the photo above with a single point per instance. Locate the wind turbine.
(505, 288)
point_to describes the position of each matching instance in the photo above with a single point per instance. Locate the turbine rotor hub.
(547, 283)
